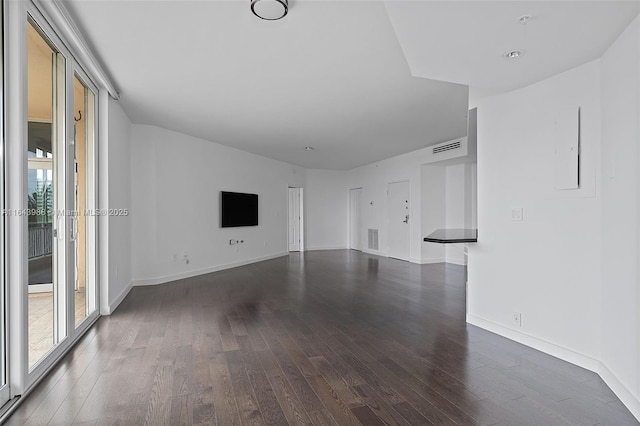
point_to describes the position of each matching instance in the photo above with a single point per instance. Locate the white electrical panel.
(567, 149)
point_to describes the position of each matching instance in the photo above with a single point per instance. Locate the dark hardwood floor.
(331, 337)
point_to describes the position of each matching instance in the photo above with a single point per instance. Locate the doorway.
(399, 235)
(355, 219)
(295, 219)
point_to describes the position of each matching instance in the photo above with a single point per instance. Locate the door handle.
(74, 228)
(406, 219)
(57, 232)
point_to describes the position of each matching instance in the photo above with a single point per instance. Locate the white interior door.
(399, 235)
(294, 219)
(355, 219)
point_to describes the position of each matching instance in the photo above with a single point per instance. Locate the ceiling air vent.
(447, 147)
(456, 150)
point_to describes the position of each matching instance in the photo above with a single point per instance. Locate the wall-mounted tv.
(238, 209)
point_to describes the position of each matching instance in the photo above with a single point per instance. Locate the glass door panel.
(84, 201)
(4, 387)
(45, 195)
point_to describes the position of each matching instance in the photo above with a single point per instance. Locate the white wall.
(546, 267)
(620, 292)
(176, 182)
(119, 198)
(327, 210)
(448, 201)
(329, 191)
(328, 203)
(433, 215)
(374, 180)
(456, 205)
(115, 193)
(572, 267)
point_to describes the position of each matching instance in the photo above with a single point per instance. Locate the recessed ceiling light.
(270, 10)
(309, 148)
(524, 19)
(513, 54)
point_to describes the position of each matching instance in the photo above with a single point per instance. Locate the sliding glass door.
(61, 197)
(48, 195)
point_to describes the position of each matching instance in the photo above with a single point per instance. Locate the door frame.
(359, 244)
(91, 193)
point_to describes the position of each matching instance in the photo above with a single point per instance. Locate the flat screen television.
(238, 209)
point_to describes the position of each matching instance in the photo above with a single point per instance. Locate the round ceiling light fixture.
(270, 10)
(309, 148)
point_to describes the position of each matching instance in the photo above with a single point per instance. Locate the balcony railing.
(40, 240)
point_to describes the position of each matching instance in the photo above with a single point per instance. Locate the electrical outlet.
(517, 319)
(516, 214)
(612, 169)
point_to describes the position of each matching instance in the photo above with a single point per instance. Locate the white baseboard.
(553, 349)
(374, 252)
(189, 274)
(631, 401)
(118, 300)
(430, 260)
(457, 261)
(327, 248)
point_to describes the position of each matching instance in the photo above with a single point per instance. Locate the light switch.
(516, 214)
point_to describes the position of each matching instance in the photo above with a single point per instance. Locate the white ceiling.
(331, 75)
(464, 41)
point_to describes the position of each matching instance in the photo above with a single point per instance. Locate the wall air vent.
(372, 239)
(447, 147)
